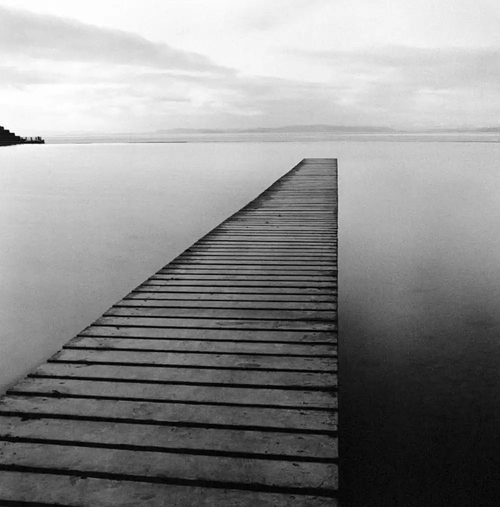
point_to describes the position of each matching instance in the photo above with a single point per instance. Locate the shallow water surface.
(419, 282)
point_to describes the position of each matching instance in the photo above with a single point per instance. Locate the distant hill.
(491, 130)
(460, 130)
(294, 131)
(282, 130)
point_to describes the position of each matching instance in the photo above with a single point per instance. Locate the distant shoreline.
(483, 137)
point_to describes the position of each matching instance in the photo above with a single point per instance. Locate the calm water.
(419, 283)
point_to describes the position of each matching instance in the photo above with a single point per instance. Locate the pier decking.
(212, 383)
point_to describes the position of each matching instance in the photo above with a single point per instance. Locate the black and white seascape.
(334, 343)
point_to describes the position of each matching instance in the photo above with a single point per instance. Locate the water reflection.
(420, 316)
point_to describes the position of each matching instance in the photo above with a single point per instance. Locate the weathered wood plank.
(321, 246)
(200, 394)
(232, 296)
(131, 309)
(171, 414)
(186, 375)
(271, 255)
(252, 252)
(199, 359)
(217, 441)
(240, 335)
(227, 298)
(148, 301)
(280, 270)
(185, 322)
(155, 286)
(276, 230)
(279, 277)
(309, 239)
(227, 281)
(90, 492)
(260, 251)
(266, 250)
(262, 262)
(207, 346)
(174, 468)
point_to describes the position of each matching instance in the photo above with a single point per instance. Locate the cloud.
(64, 74)
(12, 76)
(436, 68)
(410, 86)
(27, 34)
(262, 15)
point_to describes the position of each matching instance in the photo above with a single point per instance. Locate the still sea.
(419, 281)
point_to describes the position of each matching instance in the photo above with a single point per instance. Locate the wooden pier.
(213, 383)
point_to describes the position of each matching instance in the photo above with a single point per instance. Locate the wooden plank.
(51, 488)
(310, 240)
(246, 270)
(297, 250)
(156, 286)
(233, 264)
(236, 247)
(252, 227)
(327, 246)
(131, 309)
(176, 468)
(216, 441)
(288, 212)
(274, 254)
(201, 394)
(171, 414)
(185, 322)
(259, 266)
(228, 297)
(148, 301)
(216, 276)
(198, 359)
(275, 230)
(292, 246)
(247, 216)
(274, 237)
(280, 240)
(186, 334)
(206, 345)
(186, 375)
(260, 283)
(278, 219)
(244, 280)
(258, 261)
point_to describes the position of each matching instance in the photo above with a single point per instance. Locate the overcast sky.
(142, 65)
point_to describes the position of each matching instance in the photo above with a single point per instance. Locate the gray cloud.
(283, 101)
(439, 68)
(408, 86)
(12, 76)
(49, 37)
(264, 16)
(119, 78)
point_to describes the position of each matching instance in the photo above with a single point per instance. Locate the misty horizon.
(284, 129)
